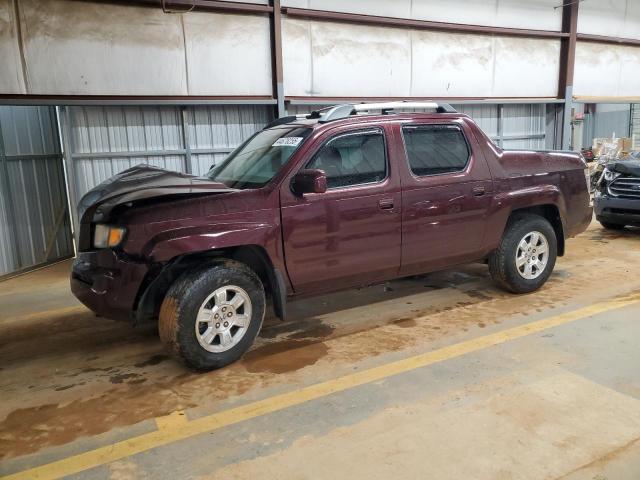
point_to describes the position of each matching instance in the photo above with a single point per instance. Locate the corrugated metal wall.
(608, 119)
(635, 125)
(612, 119)
(34, 222)
(214, 131)
(523, 126)
(103, 141)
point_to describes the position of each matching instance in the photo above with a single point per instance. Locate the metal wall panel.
(617, 18)
(635, 125)
(34, 217)
(612, 119)
(96, 48)
(523, 126)
(104, 141)
(108, 140)
(608, 119)
(604, 70)
(331, 59)
(486, 116)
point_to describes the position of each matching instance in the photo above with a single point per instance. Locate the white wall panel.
(452, 65)
(336, 59)
(297, 57)
(349, 60)
(346, 59)
(228, 54)
(81, 48)
(526, 67)
(606, 70)
(11, 78)
(615, 18)
(535, 14)
(463, 65)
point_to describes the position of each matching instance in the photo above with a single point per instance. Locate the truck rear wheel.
(211, 317)
(526, 256)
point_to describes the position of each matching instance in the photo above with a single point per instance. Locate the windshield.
(256, 162)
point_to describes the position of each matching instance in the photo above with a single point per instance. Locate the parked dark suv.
(339, 198)
(617, 196)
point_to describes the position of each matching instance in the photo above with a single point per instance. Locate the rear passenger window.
(352, 159)
(435, 149)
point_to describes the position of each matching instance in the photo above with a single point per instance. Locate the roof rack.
(343, 111)
(338, 112)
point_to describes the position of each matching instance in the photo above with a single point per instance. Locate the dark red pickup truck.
(347, 196)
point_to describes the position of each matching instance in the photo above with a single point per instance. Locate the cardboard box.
(611, 147)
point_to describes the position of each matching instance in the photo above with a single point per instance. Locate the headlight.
(610, 176)
(107, 236)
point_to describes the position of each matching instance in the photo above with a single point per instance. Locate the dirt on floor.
(66, 374)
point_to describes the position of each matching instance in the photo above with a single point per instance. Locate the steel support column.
(6, 191)
(275, 21)
(64, 126)
(567, 66)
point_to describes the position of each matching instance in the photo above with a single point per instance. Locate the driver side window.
(352, 159)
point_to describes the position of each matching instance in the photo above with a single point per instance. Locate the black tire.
(502, 262)
(612, 226)
(177, 322)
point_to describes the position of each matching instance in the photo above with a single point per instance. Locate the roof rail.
(337, 112)
(343, 111)
(284, 120)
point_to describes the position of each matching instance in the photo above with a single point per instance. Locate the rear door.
(447, 191)
(349, 235)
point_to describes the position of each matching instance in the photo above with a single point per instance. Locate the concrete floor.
(461, 381)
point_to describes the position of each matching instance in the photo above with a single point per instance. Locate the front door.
(447, 191)
(349, 235)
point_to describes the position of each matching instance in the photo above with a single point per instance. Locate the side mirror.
(309, 181)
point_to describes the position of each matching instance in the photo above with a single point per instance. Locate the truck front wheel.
(210, 317)
(526, 256)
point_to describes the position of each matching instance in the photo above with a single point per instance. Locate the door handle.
(385, 204)
(478, 191)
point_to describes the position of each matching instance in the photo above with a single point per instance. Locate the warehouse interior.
(437, 375)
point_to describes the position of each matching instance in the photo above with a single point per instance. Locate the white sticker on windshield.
(287, 142)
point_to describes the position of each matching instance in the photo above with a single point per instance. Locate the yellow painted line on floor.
(172, 431)
(173, 420)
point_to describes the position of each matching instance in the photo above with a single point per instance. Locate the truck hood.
(629, 167)
(139, 183)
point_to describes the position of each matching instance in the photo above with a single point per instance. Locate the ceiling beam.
(178, 6)
(628, 42)
(374, 20)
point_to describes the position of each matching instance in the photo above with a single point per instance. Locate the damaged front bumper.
(624, 211)
(107, 282)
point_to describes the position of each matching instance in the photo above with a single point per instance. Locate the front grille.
(627, 187)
